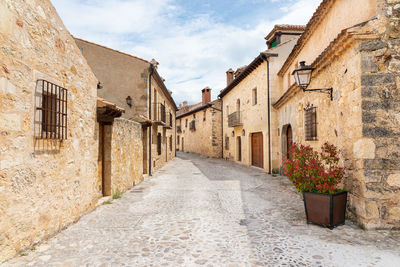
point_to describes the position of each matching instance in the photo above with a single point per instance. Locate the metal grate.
(310, 114)
(51, 122)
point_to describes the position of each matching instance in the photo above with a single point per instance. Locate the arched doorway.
(289, 139)
(286, 139)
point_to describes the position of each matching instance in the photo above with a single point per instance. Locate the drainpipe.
(150, 75)
(222, 128)
(266, 57)
(175, 131)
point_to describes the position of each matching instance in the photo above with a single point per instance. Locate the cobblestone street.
(201, 211)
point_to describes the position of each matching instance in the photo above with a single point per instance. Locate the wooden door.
(239, 147)
(289, 140)
(257, 151)
(100, 161)
(183, 148)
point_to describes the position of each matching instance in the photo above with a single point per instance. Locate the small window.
(310, 114)
(159, 143)
(254, 96)
(177, 140)
(274, 42)
(227, 142)
(204, 115)
(194, 116)
(227, 110)
(52, 105)
(186, 123)
(170, 143)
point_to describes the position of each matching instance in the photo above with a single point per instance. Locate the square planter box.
(325, 210)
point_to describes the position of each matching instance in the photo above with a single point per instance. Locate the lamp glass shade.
(303, 77)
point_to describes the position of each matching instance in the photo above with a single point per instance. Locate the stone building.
(247, 102)
(120, 151)
(135, 85)
(48, 143)
(199, 127)
(357, 55)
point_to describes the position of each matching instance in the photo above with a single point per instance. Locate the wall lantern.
(233, 133)
(302, 76)
(99, 85)
(129, 101)
(243, 132)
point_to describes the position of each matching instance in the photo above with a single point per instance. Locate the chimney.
(155, 63)
(206, 95)
(184, 103)
(229, 76)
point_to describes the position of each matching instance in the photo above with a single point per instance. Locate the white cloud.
(192, 53)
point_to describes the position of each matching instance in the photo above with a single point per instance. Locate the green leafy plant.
(312, 171)
(117, 194)
(23, 254)
(107, 202)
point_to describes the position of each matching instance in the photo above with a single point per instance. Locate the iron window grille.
(51, 106)
(178, 139)
(170, 119)
(310, 114)
(227, 142)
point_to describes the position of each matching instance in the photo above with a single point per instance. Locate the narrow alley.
(210, 212)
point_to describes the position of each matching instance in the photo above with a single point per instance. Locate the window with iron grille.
(227, 142)
(177, 140)
(310, 121)
(170, 143)
(51, 104)
(159, 143)
(170, 119)
(204, 115)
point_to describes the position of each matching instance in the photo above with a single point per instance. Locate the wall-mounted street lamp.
(302, 76)
(129, 101)
(99, 85)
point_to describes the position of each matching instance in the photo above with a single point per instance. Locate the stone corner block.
(394, 180)
(364, 149)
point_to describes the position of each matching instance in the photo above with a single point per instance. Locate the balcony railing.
(159, 113)
(235, 119)
(168, 123)
(192, 125)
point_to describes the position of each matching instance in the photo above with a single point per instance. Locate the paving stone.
(208, 212)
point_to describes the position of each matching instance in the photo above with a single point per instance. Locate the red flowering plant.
(311, 171)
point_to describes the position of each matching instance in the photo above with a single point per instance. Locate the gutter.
(265, 58)
(150, 141)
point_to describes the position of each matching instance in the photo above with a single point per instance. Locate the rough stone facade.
(360, 63)
(44, 184)
(124, 155)
(206, 138)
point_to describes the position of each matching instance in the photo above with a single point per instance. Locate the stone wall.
(380, 83)
(206, 139)
(44, 184)
(125, 161)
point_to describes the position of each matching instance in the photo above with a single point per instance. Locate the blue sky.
(195, 41)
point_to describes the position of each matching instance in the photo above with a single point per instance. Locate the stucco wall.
(44, 185)
(121, 75)
(206, 140)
